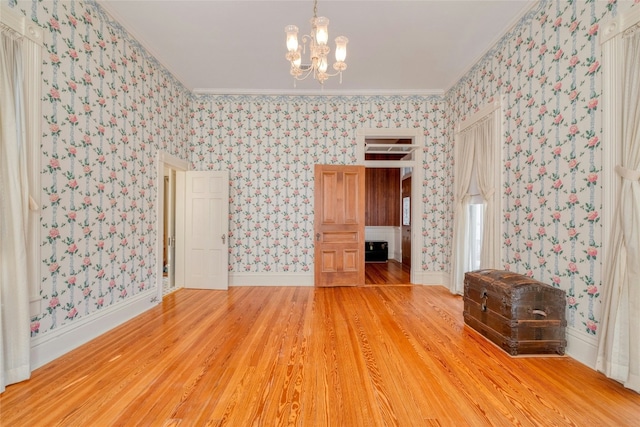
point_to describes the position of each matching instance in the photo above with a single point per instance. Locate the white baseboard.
(271, 279)
(432, 278)
(306, 279)
(582, 347)
(55, 343)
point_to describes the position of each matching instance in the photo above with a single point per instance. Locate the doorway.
(169, 235)
(169, 232)
(192, 226)
(387, 226)
(399, 149)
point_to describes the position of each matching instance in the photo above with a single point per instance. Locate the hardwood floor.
(266, 356)
(391, 272)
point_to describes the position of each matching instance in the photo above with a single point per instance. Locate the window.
(476, 226)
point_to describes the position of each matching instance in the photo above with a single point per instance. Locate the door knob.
(224, 238)
(318, 237)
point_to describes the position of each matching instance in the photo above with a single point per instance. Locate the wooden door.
(339, 225)
(406, 224)
(207, 223)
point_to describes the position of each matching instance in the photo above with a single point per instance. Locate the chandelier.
(318, 50)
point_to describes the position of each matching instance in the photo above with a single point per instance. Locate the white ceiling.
(395, 47)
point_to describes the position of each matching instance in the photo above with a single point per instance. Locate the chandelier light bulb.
(292, 37)
(322, 31)
(322, 64)
(341, 48)
(297, 60)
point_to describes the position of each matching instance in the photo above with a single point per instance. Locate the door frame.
(417, 177)
(171, 162)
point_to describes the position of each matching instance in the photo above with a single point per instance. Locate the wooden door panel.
(329, 262)
(329, 185)
(352, 209)
(339, 225)
(350, 260)
(339, 237)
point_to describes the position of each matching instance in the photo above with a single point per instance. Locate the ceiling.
(395, 47)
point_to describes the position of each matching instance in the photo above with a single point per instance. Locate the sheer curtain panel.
(464, 167)
(14, 294)
(486, 167)
(619, 342)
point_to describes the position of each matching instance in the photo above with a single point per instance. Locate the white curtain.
(464, 166)
(476, 154)
(619, 342)
(14, 294)
(485, 161)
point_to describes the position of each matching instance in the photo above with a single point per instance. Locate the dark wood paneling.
(382, 197)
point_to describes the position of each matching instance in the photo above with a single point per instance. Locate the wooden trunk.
(519, 314)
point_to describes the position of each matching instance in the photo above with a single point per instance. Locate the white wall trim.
(22, 25)
(582, 347)
(619, 24)
(433, 278)
(49, 346)
(428, 278)
(317, 92)
(477, 116)
(271, 279)
(170, 161)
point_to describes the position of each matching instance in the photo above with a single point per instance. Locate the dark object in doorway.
(376, 251)
(519, 314)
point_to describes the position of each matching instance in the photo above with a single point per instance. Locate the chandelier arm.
(306, 73)
(332, 74)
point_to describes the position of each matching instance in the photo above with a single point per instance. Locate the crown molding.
(317, 92)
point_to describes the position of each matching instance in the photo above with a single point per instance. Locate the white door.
(207, 220)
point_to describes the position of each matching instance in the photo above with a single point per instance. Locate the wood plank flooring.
(303, 356)
(391, 272)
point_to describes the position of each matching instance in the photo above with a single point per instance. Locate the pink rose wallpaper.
(547, 73)
(109, 107)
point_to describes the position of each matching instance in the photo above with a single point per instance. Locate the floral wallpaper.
(548, 73)
(270, 146)
(108, 107)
